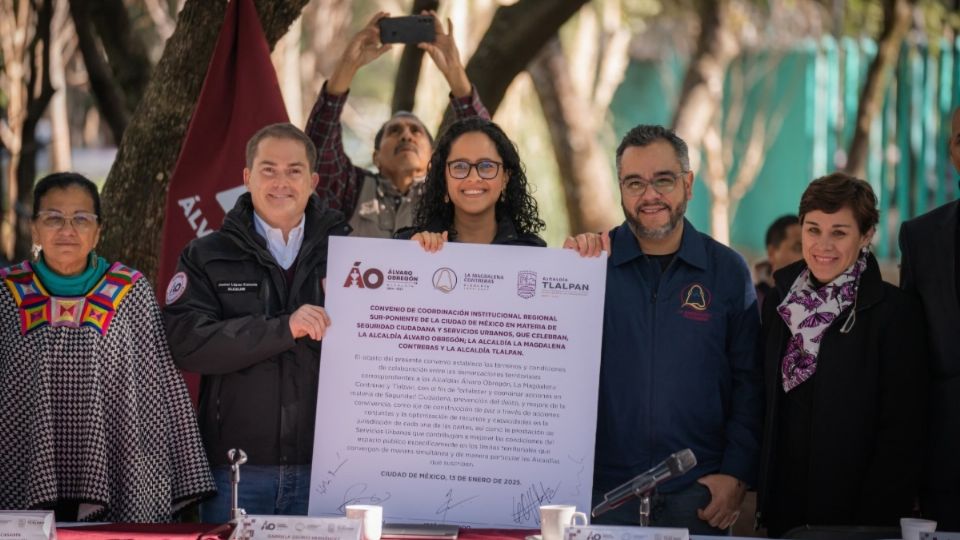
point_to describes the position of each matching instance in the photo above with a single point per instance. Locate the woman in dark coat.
(844, 363)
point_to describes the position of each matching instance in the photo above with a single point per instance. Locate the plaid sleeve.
(339, 178)
(468, 106)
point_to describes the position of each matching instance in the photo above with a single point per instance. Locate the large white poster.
(458, 386)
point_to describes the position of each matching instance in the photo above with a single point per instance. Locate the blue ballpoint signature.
(449, 503)
(530, 501)
(357, 493)
(330, 476)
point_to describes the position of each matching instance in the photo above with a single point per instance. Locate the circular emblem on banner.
(176, 287)
(444, 280)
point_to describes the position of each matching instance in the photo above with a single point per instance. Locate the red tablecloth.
(201, 531)
(138, 531)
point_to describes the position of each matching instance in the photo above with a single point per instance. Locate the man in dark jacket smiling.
(245, 310)
(679, 367)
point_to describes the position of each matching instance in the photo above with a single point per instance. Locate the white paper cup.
(556, 517)
(371, 519)
(910, 528)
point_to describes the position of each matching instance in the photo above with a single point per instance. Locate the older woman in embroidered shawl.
(95, 421)
(844, 369)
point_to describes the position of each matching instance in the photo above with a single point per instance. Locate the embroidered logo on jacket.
(694, 301)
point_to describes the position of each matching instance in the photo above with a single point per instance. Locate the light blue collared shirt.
(284, 252)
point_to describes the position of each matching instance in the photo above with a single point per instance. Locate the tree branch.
(896, 22)
(126, 52)
(408, 72)
(106, 91)
(136, 188)
(516, 34)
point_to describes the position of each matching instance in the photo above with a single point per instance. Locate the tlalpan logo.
(526, 284)
(371, 278)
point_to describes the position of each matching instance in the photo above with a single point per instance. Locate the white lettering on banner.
(194, 216)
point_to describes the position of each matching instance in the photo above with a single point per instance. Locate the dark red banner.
(240, 95)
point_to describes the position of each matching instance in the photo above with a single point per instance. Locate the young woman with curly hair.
(475, 191)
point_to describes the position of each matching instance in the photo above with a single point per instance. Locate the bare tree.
(136, 187)
(575, 111)
(516, 34)
(119, 81)
(702, 91)
(286, 62)
(325, 25)
(408, 72)
(896, 21)
(735, 153)
(25, 42)
(61, 51)
(735, 142)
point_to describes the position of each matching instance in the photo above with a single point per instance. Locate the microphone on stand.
(675, 465)
(236, 457)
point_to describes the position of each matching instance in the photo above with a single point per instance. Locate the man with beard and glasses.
(379, 204)
(679, 367)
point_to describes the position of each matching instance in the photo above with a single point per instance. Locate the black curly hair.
(436, 212)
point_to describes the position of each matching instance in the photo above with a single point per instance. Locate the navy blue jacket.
(679, 366)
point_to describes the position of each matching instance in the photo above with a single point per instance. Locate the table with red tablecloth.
(201, 531)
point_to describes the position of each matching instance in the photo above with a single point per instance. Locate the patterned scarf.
(809, 312)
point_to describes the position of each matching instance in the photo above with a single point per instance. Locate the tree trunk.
(584, 170)
(60, 52)
(106, 91)
(16, 20)
(325, 28)
(135, 190)
(59, 118)
(408, 72)
(286, 62)
(39, 93)
(896, 22)
(516, 34)
(125, 49)
(702, 90)
(716, 182)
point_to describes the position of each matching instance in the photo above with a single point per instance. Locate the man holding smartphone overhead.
(380, 203)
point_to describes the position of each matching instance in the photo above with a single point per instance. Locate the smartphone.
(409, 29)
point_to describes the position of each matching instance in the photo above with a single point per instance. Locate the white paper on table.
(608, 532)
(459, 386)
(255, 527)
(27, 525)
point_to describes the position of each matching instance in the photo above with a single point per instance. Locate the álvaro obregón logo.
(526, 284)
(444, 280)
(371, 278)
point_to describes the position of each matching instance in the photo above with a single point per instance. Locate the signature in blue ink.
(449, 503)
(357, 494)
(330, 476)
(530, 500)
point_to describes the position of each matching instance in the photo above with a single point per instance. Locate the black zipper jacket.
(231, 324)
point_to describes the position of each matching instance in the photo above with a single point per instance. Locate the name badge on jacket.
(237, 286)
